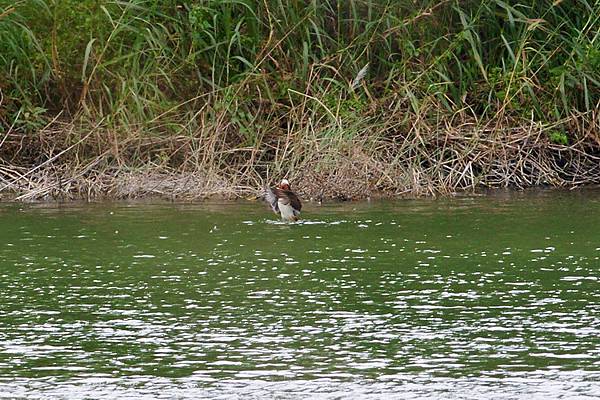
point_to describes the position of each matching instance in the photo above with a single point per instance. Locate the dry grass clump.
(173, 185)
(345, 175)
(376, 161)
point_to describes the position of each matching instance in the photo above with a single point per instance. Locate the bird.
(283, 201)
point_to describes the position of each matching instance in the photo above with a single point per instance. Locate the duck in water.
(283, 201)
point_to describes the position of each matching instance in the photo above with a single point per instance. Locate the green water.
(474, 297)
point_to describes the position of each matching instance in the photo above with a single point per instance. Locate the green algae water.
(472, 297)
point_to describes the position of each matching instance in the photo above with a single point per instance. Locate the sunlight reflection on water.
(248, 385)
(478, 300)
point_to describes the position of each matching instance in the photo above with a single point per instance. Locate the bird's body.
(283, 201)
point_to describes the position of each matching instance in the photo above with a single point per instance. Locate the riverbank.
(347, 100)
(440, 161)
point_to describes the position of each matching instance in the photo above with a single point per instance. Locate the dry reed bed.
(439, 159)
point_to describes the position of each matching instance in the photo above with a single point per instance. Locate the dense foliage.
(132, 60)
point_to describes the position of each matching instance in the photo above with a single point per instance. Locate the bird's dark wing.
(294, 200)
(275, 195)
(271, 198)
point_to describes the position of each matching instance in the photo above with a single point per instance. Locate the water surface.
(471, 297)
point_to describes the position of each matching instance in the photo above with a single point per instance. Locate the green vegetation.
(216, 96)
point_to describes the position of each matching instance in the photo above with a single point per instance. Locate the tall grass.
(253, 89)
